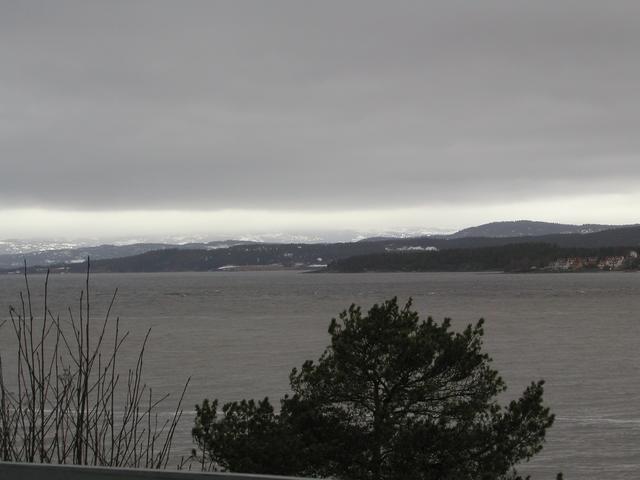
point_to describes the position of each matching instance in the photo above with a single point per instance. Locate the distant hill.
(617, 237)
(524, 228)
(302, 255)
(79, 255)
(159, 257)
(510, 229)
(523, 257)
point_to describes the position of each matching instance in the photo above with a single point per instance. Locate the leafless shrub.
(67, 402)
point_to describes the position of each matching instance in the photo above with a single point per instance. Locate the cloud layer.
(316, 106)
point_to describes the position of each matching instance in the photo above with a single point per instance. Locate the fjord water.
(239, 334)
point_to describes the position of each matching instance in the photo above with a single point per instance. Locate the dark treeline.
(508, 258)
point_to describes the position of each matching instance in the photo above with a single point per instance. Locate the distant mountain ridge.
(293, 255)
(238, 253)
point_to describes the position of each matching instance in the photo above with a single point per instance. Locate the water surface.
(238, 334)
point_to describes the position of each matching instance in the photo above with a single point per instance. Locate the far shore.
(303, 269)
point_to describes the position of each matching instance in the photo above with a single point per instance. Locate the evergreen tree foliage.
(248, 437)
(392, 397)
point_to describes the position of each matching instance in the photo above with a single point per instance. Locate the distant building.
(560, 264)
(574, 263)
(614, 262)
(611, 263)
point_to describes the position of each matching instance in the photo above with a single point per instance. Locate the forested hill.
(99, 252)
(522, 228)
(525, 257)
(303, 255)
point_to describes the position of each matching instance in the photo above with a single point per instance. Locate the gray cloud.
(315, 105)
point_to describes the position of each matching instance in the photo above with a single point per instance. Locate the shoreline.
(251, 268)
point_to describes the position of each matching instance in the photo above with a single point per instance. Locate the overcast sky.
(134, 117)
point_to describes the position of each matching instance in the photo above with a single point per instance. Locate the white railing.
(39, 471)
